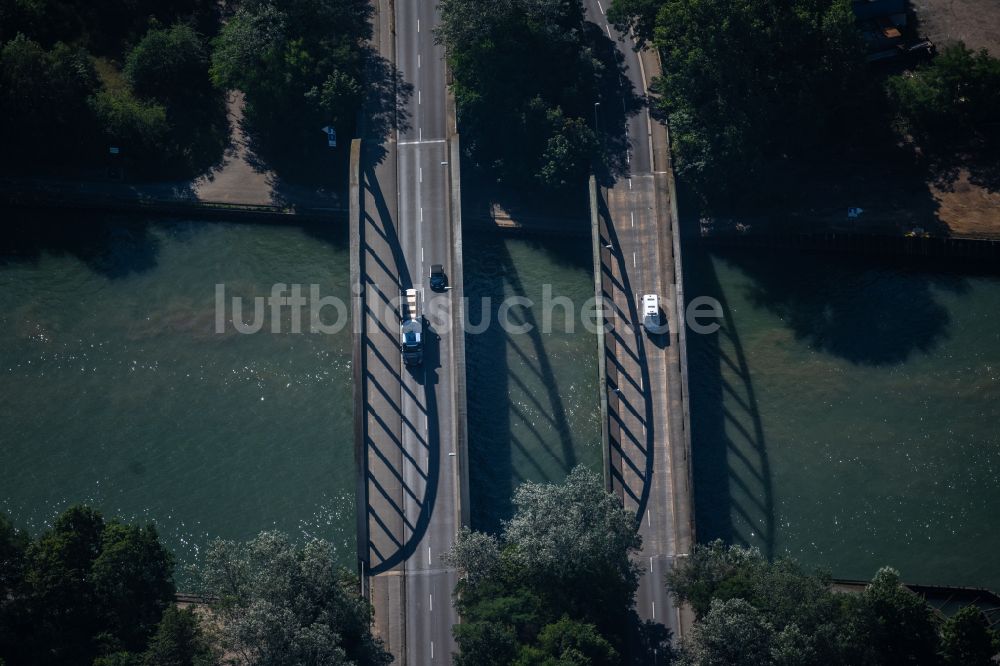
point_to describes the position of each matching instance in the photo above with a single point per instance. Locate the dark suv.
(439, 281)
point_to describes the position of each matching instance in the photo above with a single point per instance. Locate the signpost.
(331, 136)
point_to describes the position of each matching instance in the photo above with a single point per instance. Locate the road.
(648, 457)
(413, 486)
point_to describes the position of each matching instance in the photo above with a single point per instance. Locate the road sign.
(331, 136)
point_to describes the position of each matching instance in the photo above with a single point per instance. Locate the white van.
(651, 313)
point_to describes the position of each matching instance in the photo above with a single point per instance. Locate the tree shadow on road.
(618, 102)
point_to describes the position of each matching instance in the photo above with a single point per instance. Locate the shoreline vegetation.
(779, 121)
(190, 99)
(556, 586)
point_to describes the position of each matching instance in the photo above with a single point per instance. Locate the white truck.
(411, 330)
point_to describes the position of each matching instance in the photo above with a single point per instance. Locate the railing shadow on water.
(508, 419)
(734, 497)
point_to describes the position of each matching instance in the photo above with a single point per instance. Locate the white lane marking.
(432, 649)
(651, 565)
(647, 518)
(418, 25)
(624, 108)
(430, 597)
(633, 260)
(418, 60)
(628, 157)
(654, 609)
(421, 169)
(609, 32)
(630, 183)
(414, 143)
(420, 97)
(421, 214)
(420, 134)
(421, 255)
(632, 213)
(429, 555)
(601, 6)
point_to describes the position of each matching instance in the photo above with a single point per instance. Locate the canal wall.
(170, 198)
(358, 361)
(602, 360)
(861, 243)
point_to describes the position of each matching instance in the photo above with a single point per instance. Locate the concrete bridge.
(410, 422)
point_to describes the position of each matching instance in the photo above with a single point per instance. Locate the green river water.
(845, 413)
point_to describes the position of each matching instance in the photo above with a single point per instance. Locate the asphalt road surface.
(413, 484)
(646, 423)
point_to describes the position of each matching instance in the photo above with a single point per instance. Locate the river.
(845, 413)
(117, 390)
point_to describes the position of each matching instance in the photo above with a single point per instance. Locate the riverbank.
(240, 186)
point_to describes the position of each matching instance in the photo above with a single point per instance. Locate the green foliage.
(967, 640)
(748, 82)
(54, 112)
(279, 604)
(557, 586)
(83, 589)
(525, 79)
(731, 633)
(751, 611)
(891, 625)
(133, 580)
(179, 641)
(137, 127)
(169, 68)
(637, 16)
(301, 65)
(568, 643)
(951, 103)
(104, 27)
(43, 101)
(167, 64)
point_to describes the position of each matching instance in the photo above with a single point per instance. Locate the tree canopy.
(301, 65)
(747, 82)
(754, 612)
(557, 586)
(525, 78)
(952, 103)
(280, 604)
(83, 589)
(64, 102)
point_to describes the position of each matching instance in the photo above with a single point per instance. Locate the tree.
(301, 65)
(179, 641)
(133, 581)
(966, 639)
(170, 68)
(747, 84)
(168, 64)
(138, 128)
(43, 101)
(891, 625)
(951, 103)
(731, 633)
(569, 643)
(526, 66)
(557, 587)
(84, 589)
(279, 604)
(635, 16)
(13, 544)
